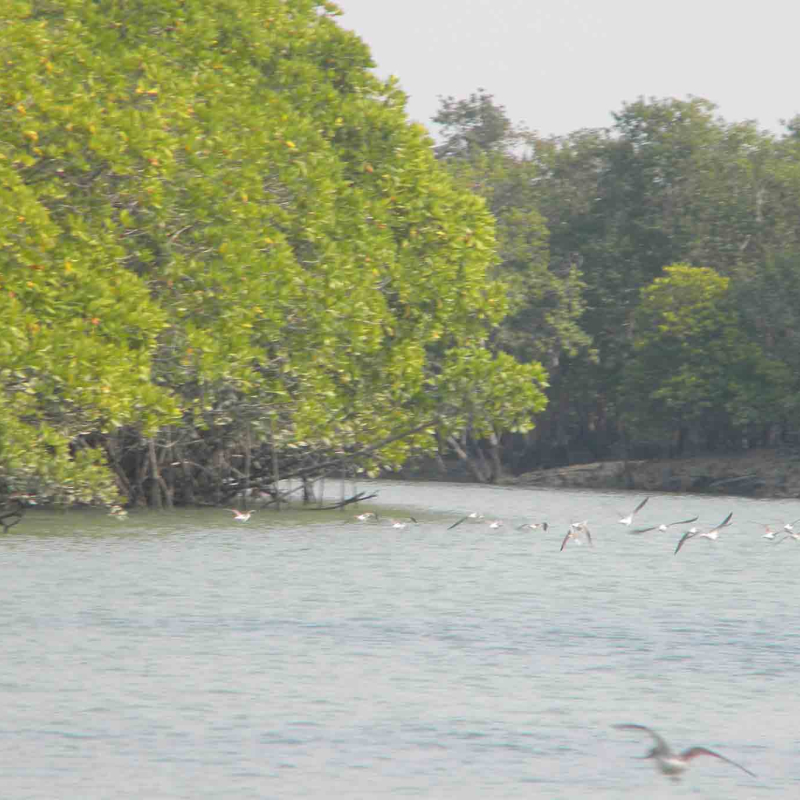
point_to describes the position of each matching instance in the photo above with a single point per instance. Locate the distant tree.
(486, 153)
(695, 377)
(475, 125)
(670, 182)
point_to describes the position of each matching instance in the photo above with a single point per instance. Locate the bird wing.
(644, 530)
(588, 536)
(693, 752)
(457, 523)
(640, 506)
(682, 522)
(566, 539)
(661, 744)
(726, 521)
(685, 536)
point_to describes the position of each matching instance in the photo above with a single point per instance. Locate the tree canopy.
(226, 256)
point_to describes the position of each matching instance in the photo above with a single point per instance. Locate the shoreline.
(755, 473)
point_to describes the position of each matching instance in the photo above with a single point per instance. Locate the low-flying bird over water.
(241, 516)
(533, 526)
(367, 516)
(671, 763)
(473, 517)
(627, 520)
(769, 531)
(664, 526)
(789, 527)
(576, 531)
(402, 523)
(711, 534)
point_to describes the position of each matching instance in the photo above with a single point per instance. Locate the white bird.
(117, 511)
(629, 518)
(367, 516)
(473, 517)
(769, 532)
(533, 526)
(496, 523)
(663, 527)
(675, 764)
(789, 526)
(241, 516)
(399, 523)
(791, 535)
(576, 530)
(711, 534)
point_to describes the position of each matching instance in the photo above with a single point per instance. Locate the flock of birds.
(579, 531)
(668, 761)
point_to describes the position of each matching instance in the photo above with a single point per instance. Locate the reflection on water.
(308, 655)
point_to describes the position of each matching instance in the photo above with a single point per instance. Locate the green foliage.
(473, 126)
(218, 227)
(670, 182)
(694, 370)
(487, 154)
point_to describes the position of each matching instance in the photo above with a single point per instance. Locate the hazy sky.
(561, 65)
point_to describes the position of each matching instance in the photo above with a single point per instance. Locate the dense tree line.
(660, 274)
(226, 258)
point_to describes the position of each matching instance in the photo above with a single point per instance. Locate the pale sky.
(561, 65)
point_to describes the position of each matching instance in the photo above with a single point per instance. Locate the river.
(304, 654)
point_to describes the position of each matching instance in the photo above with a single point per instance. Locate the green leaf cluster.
(694, 368)
(217, 227)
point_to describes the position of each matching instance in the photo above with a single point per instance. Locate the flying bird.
(400, 523)
(533, 526)
(473, 517)
(629, 518)
(241, 516)
(789, 526)
(576, 531)
(769, 531)
(367, 516)
(671, 763)
(664, 527)
(117, 511)
(711, 534)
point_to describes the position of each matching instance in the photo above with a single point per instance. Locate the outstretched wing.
(683, 522)
(726, 521)
(661, 744)
(566, 539)
(644, 530)
(693, 752)
(640, 506)
(457, 523)
(687, 535)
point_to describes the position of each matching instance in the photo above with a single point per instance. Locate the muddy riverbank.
(755, 473)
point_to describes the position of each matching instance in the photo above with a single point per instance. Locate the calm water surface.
(305, 655)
